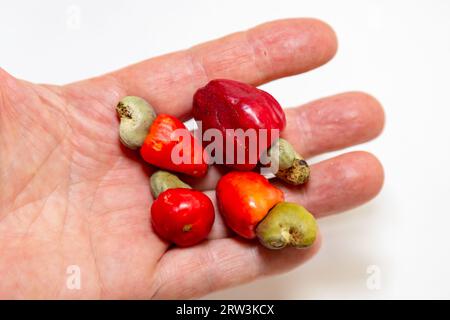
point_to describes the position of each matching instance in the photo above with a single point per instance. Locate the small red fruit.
(182, 216)
(227, 104)
(161, 141)
(244, 199)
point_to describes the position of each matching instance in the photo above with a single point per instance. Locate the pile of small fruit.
(249, 204)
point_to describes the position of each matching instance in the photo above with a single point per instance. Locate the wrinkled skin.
(71, 195)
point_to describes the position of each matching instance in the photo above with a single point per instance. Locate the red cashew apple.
(252, 207)
(228, 104)
(244, 199)
(182, 216)
(161, 142)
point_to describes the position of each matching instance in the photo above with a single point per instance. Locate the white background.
(398, 51)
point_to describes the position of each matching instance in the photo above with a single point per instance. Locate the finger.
(333, 123)
(218, 264)
(268, 51)
(335, 185)
(339, 184)
(323, 125)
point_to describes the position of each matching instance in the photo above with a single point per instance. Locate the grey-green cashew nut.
(287, 224)
(136, 117)
(161, 180)
(292, 168)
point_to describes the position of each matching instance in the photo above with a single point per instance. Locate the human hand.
(72, 195)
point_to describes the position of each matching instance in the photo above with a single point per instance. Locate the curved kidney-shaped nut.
(287, 224)
(161, 180)
(285, 156)
(292, 168)
(136, 117)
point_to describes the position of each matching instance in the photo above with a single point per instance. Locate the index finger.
(269, 51)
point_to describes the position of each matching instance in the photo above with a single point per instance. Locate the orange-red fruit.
(182, 216)
(161, 142)
(244, 199)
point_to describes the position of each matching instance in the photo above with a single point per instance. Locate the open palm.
(71, 195)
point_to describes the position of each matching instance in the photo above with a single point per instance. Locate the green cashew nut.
(136, 117)
(160, 181)
(286, 154)
(287, 224)
(292, 168)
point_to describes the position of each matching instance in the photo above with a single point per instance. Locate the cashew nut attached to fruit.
(287, 224)
(292, 168)
(136, 117)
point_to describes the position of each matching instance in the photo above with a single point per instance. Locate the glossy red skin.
(158, 146)
(244, 199)
(174, 209)
(227, 104)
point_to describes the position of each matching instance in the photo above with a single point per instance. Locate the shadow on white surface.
(338, 271)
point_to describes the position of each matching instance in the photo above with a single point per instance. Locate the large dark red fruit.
(228, 104)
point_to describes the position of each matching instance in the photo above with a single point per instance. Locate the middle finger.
(321, 126)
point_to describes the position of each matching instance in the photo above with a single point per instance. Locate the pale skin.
(70, 194)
